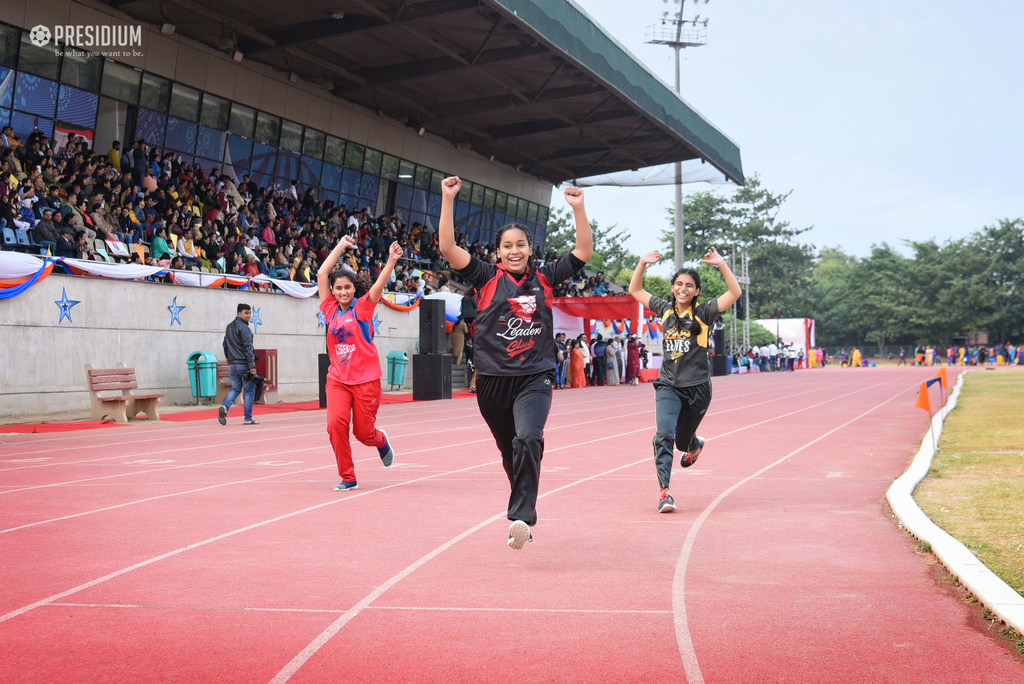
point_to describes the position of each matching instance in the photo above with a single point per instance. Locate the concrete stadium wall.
(130, 322)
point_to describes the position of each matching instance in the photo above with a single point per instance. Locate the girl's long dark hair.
(361, 283)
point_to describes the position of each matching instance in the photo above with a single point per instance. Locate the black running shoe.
(690, 457)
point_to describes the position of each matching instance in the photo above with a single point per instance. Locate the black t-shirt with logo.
(513, 327)
(685, 359)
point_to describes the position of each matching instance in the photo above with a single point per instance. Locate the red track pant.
(354, 405)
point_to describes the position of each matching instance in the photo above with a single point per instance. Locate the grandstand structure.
(368, 103)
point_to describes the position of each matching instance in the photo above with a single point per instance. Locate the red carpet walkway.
(195, 552)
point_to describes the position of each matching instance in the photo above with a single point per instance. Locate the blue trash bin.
(398, 361)
(202, 374)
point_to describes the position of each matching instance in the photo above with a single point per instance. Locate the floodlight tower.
(671, 31)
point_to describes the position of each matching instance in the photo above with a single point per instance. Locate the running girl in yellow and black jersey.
(514, 354)
(683, 389)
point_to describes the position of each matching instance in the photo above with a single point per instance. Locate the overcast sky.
(889, 120)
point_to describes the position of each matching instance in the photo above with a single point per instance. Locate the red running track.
(195, 552)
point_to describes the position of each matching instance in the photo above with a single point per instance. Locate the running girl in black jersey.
(683, 389)
(514, 354)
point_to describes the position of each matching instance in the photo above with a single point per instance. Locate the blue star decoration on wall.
(65, 305)
(377, 322)
(256, 322)
(175, 311)
(321, 322)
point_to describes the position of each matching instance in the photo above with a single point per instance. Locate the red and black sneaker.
(666, 504)
(690, 457)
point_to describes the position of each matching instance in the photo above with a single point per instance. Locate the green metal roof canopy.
(535, 84)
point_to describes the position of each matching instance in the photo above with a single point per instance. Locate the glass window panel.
(406, 171)
(522, 210)
(239, 151)
(262, 180)
(389, 167)
(350, 182)
(311, 170)
(354, 155)
(369, 187)
(330, 177)
(477, 197)
(77, 106)
(35, 95)
(403, 195)
(542, 217)
(510, 206)
(236, 171)
(264, 160)
(121, 82)
(422, 179)
(150, 126)
(416, 217)
(181, 135)
(268, 128)
(243, 120)
(9, 39)
(41, 61)
(215, 112)
(7, 77)
(23, 124)
(489, 194)
(531, 214)
(500, 202)
(313, 143)
(466, 193)
(434, 205)
(372, 161)
(335, 150)
(287, 167)
(82, 71)
(5, 116)
(291, 136)
(207, 164)
(184, 102)
(419, 200)
(210, 143)
(328, 196)
(155, 93)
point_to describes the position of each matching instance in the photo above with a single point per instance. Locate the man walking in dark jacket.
(242, 363)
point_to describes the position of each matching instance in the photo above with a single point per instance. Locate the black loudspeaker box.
(431, 327)
(431, 376)
(325, 365)
(719, 338)
(720, 365)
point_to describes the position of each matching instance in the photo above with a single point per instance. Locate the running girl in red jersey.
(514, 353)
(347, 302)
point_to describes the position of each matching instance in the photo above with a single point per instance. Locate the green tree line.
(939, 295)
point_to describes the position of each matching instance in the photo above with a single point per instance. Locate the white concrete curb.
(992, 592)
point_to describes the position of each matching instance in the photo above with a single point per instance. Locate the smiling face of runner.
(344, 290)
(513, 248)
(685, 288)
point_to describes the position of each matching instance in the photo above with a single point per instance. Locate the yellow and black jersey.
(685, 357)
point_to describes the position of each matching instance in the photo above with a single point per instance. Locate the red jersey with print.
(513, 327)
(350, 345)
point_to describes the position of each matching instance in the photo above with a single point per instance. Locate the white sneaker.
(518, 534)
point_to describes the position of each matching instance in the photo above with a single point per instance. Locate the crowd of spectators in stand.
(68, 197)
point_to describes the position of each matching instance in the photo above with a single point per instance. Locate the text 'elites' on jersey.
(513, 328)
(685, 358)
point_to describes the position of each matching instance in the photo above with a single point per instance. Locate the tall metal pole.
(679, 245)
(693, 37)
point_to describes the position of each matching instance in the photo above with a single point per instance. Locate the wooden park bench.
(223, 382)
(122, 404)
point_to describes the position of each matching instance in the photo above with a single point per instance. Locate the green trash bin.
(398, 361)
(202, 374)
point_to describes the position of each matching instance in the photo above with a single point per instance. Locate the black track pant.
(516, 408)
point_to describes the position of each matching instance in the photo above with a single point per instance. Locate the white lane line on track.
(683, 638)
(434, 609)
